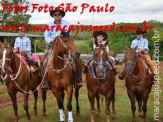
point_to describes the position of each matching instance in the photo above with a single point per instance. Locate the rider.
(57, 14)
(143, 48)
(101, 36)
(23, 44)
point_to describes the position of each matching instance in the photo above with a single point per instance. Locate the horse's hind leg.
(133, 107)
(14, 102)
(69, 105)
(44, 100)
(77, 101)
(98, 105)
(92, 102)
(35, 104)
(145, 99)
(26, 106)
(139, 99)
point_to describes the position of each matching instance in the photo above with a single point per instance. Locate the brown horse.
(138, 86)
(19, 79)
(60, 73)
(100, 79)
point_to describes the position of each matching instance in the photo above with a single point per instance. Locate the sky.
(124, 11)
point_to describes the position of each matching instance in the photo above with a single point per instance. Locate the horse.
(138, 81)
(18, 79)
(100, 79)
(60, 72)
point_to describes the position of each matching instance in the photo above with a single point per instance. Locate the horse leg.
(91, 100)
(77, 101)
(107, 110)
(139, 99)
(44, 99)
(26, 106)
(133, 107)
(35, 104)
(69, 105)
(14, 102)
(63, 96)
(60, 104)
(98, 105)
(145, 99)
(113, 107)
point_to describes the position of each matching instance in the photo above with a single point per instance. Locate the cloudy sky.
(125, 11)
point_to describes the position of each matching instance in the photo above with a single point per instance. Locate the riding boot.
(122, 73)
(38, 69)
(113, 66)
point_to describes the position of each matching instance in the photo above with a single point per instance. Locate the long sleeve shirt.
(52, 34)
(23, 44)
(142, 43)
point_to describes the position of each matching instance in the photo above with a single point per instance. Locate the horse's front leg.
(60, 104)
(92, 102)
(35, 104)
(69, 104)
(145, 99)
(12, 95)
(98, 105)
(133, 107)
(77, 101)
(26, 106)
(107, 110)
(113, 105)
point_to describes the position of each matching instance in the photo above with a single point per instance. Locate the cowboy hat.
(97, 33)
(140, 31)
(57, 10)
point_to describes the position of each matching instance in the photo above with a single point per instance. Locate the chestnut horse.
(100, 79)
(18, 79)
(60, 72)
(138, 81)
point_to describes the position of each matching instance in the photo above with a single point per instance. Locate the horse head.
(131, 58)
(65, 45)
(100, 59)
(6, 53)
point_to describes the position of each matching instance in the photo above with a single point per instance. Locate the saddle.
(28, 64)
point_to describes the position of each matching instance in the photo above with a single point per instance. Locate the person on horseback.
(142, 44)
(57, 14)
(101, 36)
(23, 44)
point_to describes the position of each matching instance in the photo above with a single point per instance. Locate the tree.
(14, 18)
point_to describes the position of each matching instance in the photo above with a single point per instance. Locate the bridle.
(66, 59)
(99, 63)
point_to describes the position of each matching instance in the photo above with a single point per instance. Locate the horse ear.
(136, 47)
(96, 43)
(106, 43)
(126, 47)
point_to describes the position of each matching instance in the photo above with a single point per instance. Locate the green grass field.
(122, 106)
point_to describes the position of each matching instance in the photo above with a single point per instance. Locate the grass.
(122, 106)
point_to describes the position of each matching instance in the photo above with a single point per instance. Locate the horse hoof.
(97, 115)
(113, 117)
(44, 115)
(141, 115)
(77, 114)
(35, 113)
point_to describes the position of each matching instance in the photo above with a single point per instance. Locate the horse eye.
(65, 40)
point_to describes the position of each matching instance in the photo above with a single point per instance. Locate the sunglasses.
(57, 14)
